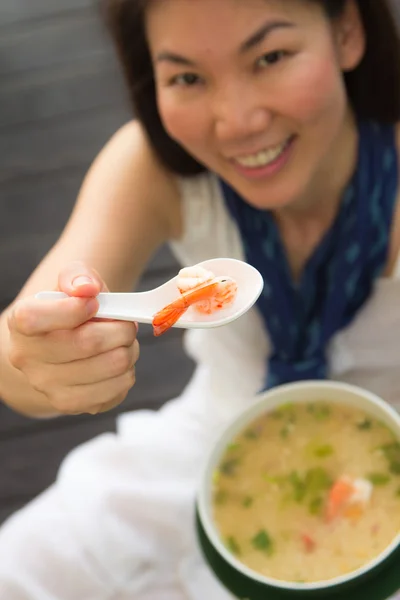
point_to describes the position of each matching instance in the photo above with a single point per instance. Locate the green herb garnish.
(298, 485)
(378, 478)
(247, 501)
(229, 466)
(274, 479)
(319, 411)
(233, 447)
(323, 451)
(317, 480)
(315, 506)
(364, 425)
(392, 454)
(263, 542)
(233, 546)
(314, 482)
(216, 476)
(251, 434)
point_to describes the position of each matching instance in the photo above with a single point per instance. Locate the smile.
(262, 158)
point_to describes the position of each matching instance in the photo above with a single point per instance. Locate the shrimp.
(208, 297)
(348, 497)
(191, 277)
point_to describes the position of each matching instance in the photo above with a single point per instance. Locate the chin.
(268, 196)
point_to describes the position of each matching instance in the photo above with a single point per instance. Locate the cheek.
(182, 121)
(318, 91)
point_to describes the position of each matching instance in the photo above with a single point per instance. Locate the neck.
(330, 182)
(303, 224)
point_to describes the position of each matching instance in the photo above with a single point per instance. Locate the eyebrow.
(254, 40)
(264, 31)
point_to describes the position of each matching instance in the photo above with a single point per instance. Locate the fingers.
(93, 398)
(110, 365)
(79, 280)
(32, 317)
(89, 339)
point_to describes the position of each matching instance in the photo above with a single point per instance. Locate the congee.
(309, 492)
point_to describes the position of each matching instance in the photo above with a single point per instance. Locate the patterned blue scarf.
(338, 278)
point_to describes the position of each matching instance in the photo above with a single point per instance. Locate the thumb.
(77, 279)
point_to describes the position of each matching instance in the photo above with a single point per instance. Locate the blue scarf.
(338, 278)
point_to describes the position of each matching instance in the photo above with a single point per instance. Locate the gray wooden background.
(61, 98)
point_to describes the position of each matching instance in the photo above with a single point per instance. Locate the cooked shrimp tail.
(169, 315)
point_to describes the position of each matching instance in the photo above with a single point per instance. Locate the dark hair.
(373, 87)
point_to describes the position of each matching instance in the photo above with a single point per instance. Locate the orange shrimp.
(348, 498)
(207, 297)
(339, 495)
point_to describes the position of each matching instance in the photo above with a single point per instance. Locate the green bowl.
(376, 580)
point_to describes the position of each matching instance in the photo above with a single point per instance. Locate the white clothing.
(118, 522)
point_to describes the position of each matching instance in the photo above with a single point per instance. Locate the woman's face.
(253, 89)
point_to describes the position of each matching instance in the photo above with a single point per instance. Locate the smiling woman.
(266, 131)
(126, 22)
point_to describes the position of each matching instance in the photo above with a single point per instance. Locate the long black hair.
(373, 87)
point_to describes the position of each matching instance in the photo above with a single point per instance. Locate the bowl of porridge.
(301, 496)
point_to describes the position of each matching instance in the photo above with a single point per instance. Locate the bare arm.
(127, 207)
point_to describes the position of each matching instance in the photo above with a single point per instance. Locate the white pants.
(118, 524)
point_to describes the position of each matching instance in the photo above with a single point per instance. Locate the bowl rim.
(249, 414)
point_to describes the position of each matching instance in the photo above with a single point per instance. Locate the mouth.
(264, 157)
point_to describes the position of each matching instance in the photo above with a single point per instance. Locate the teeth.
(263, 158)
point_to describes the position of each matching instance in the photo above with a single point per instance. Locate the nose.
(239, 114)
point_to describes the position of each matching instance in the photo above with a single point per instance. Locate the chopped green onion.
(392, 454)
(319, 411)
(365, 424)
(251, 434)
(275, 479)
(228, 467)
(298, 485)
(216, 476)
(263, 542)
(247, 501)
(317, 480)
(323, 451)
(378, 478)
(233, 447)
(221, 496)
(232, 545)
(315, 506)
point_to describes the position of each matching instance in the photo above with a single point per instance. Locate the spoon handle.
(119, 306)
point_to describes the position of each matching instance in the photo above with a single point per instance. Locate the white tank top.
(366, 353)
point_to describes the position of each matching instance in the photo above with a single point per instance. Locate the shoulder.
(129, 162)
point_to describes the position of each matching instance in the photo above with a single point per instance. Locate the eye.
(185, 79)
(271, 58)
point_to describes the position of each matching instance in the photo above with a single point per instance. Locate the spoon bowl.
(142, 306)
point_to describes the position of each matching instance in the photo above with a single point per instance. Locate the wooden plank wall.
(61, 98)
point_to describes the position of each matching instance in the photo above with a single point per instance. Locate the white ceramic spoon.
(142, 306)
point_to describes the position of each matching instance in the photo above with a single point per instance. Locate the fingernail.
(137, 326)
(81, 280)
(91, 306)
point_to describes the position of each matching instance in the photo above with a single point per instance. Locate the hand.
(81, 364)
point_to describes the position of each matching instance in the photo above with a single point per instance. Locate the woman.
(267, 131)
